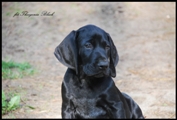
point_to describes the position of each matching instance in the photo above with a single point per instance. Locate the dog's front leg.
(68, 111)
(116, 110)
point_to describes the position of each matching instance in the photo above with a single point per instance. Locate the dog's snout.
(103, 65)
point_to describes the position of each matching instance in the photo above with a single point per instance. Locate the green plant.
(12, 70)
(10, 105)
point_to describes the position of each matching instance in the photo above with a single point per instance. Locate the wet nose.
(103, 65)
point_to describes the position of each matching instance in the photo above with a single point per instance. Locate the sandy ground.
(144, 34)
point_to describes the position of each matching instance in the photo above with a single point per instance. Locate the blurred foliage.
(10, 104)
(13, 70)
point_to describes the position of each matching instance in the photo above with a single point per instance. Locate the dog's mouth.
(100, 75)
(94, 72)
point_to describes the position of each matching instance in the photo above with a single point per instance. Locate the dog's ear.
(66, 52)
(114, 58)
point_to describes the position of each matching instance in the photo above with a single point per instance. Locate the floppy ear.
(66, 52)
(114, 58)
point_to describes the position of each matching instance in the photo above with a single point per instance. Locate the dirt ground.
(144, 34)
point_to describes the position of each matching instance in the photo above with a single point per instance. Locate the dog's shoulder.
(70, 74)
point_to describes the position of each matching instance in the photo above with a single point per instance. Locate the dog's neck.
(84, 79)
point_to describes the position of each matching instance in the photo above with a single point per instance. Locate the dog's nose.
(103, 65)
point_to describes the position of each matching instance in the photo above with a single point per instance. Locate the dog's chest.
(85, 101)
(87, 107)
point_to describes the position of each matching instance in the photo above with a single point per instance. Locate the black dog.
(88, 90)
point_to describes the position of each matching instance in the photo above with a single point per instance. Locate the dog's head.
(89, 49)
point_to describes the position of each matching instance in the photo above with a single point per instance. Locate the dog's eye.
(88, 45)
(107, 47)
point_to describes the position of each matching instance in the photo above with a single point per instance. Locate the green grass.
(10, 104)
(14, 70)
